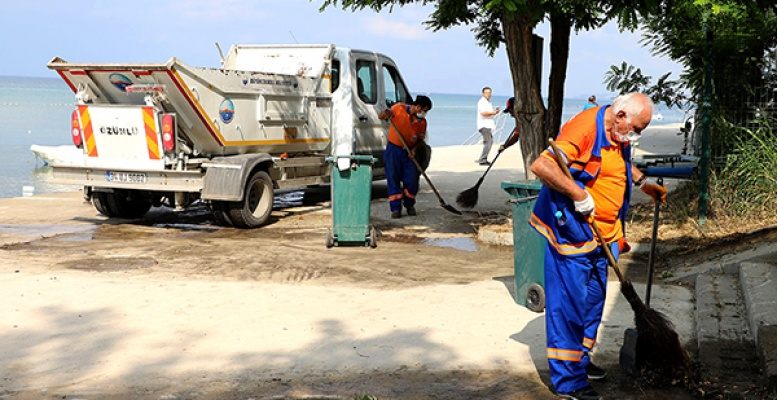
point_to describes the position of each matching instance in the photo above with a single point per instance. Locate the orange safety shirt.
(608, 189)
(412, 128)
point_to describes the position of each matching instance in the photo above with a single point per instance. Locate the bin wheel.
(373, 239)
(535, 298)
(330, 239)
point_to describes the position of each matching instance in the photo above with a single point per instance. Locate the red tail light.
(168, 132)
(75, 130)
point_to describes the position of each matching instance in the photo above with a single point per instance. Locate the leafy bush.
(747, 184)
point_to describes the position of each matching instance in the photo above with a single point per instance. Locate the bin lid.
(520, 189)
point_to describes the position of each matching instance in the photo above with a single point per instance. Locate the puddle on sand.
(188, 227)
(31, 231)
(78, 237)
(458, 243)
(288, 199)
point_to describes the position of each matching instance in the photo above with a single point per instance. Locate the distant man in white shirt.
(485, 123)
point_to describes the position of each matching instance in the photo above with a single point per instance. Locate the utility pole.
(706, 121)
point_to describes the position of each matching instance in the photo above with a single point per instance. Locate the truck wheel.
(535, 298)
(120, 204)
(100, 202)
(254, 210)
(220, 213)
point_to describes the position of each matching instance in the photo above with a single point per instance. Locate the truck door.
(370, 131)
(394, 88)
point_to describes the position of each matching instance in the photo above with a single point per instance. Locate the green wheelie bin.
(351, 196)
(528, 246)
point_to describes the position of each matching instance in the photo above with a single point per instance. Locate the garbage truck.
(265, 120)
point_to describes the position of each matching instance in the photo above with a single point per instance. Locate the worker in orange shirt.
(596, 147)
(401, 172)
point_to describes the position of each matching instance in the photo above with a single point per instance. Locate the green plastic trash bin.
(528, 246)
(351, 197)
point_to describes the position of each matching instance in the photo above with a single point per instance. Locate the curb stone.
(759, 284)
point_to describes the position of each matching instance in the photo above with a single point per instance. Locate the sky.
(32, 32)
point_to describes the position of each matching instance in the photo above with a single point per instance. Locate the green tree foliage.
(627, 78)
(511, 23)
(743, 33)
(733, 45)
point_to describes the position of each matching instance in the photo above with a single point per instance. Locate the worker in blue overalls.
(408, 120)
(595, 145)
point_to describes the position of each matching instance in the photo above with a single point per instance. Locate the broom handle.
(599, 237)
(492, 162)
(489, 167)
(653, 238)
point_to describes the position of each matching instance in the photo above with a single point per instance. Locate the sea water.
(32, 111)
(37, 111)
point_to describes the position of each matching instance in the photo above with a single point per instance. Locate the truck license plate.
(125, 177)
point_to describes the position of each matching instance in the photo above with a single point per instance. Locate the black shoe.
(595, 373)
(411, 211)
(484, 163)
(586, 393)
(396, 214)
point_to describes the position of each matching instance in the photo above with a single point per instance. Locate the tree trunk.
(560, 28)
(528, 110)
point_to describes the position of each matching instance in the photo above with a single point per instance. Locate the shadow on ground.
(77, 354)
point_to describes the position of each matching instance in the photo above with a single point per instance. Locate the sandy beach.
(174, 307)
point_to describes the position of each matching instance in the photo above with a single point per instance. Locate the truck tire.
(220, 213)
(120, 204)
(100, 202)
(254, 210)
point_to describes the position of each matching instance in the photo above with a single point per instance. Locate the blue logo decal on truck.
(120, 81)
(227, 111)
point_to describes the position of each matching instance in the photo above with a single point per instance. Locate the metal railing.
(500, 133)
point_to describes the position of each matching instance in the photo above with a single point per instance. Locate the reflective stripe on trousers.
(401, 177)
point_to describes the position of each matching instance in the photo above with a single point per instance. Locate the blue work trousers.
(575, 288)
(401, 177)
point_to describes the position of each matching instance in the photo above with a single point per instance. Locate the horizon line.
(422, 92)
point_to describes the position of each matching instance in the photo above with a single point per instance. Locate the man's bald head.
(636, 105)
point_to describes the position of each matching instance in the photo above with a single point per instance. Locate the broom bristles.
(468, 198)
(658, 345)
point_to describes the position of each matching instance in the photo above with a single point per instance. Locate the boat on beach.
(63, 155)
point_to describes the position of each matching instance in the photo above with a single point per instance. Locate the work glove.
(654, 190)
(585, 206)
(386, 114)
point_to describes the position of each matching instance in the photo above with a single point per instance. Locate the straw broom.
(469, 198)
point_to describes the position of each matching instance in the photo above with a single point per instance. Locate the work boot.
(411, 211)
(396, 214)
(595, 373)
(586, 393)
